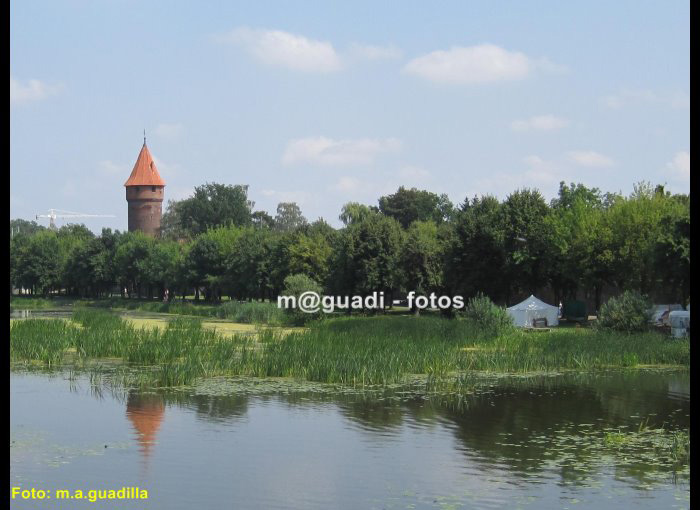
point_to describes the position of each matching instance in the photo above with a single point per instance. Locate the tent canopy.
(526, 312)
(658, 312)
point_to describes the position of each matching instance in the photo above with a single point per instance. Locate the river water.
(512, 442)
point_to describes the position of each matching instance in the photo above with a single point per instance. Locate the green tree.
(476, 256)
(634, 223)
(296, 285)
(579, 241)
(289, 217)
(38, 263)
(206, 260)
(672, 248)
(212, 205)
(354, 212)
(409, 205)
(310, 254)
(528, 240)
(248, 264)
(23, 227)
(423, 256)
(131, 253)
(367, 258)
(260, 219)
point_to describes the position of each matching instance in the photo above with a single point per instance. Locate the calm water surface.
(514, 443)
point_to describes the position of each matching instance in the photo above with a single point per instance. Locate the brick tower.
(144, 193)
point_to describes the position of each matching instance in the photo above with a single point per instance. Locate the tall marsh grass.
(351, 351)
(247, 312)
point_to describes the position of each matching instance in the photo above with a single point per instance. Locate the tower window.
(153, 189)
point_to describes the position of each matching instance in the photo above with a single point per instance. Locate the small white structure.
(659, 313)
(525, 313)
(680, 323)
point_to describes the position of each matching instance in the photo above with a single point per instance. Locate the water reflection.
(534, 437)
(145, 412)
(40, 314)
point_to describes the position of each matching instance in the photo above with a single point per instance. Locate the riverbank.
(248, 312)
(355, 351)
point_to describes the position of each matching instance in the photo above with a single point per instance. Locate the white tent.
(525, 313)
(659, 312)
(680, 323)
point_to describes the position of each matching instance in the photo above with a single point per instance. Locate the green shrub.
(487, 315)
(628, 312)
(296, 285)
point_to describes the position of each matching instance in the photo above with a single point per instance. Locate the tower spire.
(144, 136)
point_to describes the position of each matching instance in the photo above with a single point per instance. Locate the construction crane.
(58, 213)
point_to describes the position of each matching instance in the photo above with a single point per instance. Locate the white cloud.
(539, 123)
(680, 100)
(323, 151)
(69, 189)
(370, 52)
(536, 163)
(348, 184)
(414, 172)
(678, 169)
(300, 197)
(177, 193)
(283, 49)
(32, 90)
(543, 175)
(166, 169)
(483, 63)
(110, 168)
(632, 97)
(590, 159)
(16, 201)
(169, 131)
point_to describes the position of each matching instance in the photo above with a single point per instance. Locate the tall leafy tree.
(247, 266)
(476, 257)
(409, 205)
(367, 257)
(38, 262)
(672, 249)
(354, 212)
(289, 217)
(528, 240)
(212, 205)
(422, 258)
(131, 253)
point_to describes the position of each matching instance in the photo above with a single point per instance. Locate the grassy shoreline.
(355, 351)
(252, 312)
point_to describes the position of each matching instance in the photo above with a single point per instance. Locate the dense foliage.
(213, 244)
(628, 312)
(488, 316)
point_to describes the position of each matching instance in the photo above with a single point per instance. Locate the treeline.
(214, 244)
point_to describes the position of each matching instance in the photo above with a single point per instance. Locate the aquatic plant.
(354, 351)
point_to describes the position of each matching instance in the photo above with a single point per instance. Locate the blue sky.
(323, 103)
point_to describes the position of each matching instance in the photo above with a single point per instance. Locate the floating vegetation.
(644, 451)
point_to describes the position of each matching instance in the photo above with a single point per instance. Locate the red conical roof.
(145, 172)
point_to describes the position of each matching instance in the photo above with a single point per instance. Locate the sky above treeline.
(323, 103)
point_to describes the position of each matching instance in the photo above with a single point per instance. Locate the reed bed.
(246, 312)
(356, 351)
(383, 350)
